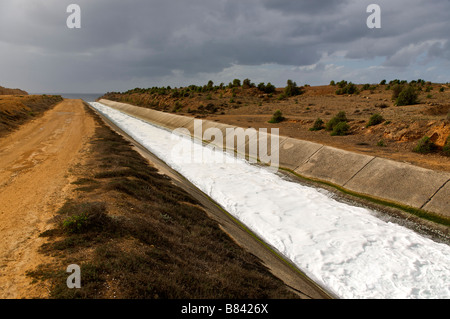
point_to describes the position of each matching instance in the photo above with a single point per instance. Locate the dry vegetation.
(136, 235)
(18, 109)
(396, 136)
(6, 91)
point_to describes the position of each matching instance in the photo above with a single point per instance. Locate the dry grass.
(16, 110)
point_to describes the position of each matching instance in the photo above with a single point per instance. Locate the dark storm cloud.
(150, 39)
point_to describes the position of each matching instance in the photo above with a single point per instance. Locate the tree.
(277, 117)
(270, 88)
(246, 84)
(407, 96)
(292, 89)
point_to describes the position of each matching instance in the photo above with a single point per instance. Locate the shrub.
(375, 120)
(277, 117)
(349, 88)
(75, 224)
(441, 89)
(247, 84)
(381, 143)
(262, 87)
(236, 83)
(396, 90)
(425, 146)
(85, 217)
(446, 148)
(332, 83)
(383, 82)
(292, 89)
(340, 129)
(407, 96)
(340, 117)
(177, 107)
(269, 88)
(342, 84)
(318, 125)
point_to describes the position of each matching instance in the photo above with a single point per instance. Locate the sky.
(144, 43)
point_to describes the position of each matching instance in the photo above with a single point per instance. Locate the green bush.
(396, 90)
(247, 84)
(292, 89)
(266, 88)
(425, 146)
(342, 84)
(441, 89)
(381, 143)
(177, 107)
(282, 96)
(85, 217)
(236, 83)
(349, 88)
(277, 117)
(375, 120)
(318, 125)
(76, 224)
(407, 96)
(340, 117)
(340, 129)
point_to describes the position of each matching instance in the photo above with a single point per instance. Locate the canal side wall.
(376, 177)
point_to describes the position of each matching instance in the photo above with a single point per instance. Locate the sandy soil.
(34, 165)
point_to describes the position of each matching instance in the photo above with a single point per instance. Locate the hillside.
(397, 134)
(16, 110)
(6, 91)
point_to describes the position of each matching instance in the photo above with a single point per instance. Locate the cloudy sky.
(145, 43)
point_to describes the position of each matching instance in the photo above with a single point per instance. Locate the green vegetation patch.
(425, 146)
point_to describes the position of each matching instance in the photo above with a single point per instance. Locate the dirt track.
(34, 166)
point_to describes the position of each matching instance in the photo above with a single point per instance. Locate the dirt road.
(34, 165)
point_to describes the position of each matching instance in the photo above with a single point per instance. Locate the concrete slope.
(379, 178)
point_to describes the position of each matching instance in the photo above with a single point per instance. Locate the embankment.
(16, 110)
(422, 192)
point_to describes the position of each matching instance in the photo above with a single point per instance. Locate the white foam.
(344, 248)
